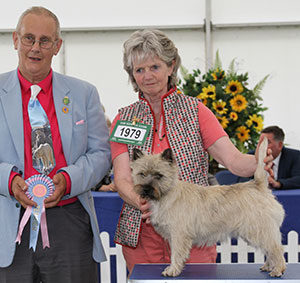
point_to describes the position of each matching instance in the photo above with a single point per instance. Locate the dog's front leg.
(180, 251)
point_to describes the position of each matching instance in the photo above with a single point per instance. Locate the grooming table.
(213, 273)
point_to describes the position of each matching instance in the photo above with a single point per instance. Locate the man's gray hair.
(40, 11)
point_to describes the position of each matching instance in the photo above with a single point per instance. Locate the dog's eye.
(141, 174)
(158, 176)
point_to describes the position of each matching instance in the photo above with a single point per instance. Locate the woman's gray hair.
(40, 11)
(144, 43)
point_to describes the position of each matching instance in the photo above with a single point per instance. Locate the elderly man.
(73, 127)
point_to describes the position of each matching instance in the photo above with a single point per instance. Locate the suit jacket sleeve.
(289, 169)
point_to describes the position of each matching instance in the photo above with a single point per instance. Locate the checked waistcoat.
(183, 134)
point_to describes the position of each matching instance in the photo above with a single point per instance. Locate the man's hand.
(273, 183)
(60, 184)
(18, 188)
(108, 188)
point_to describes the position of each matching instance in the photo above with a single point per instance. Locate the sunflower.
(242, 133)
(233, 115)
(218, 75)
(238, 103)
(234, 87)
(223, 121)
(208, 92)
(204, 101)
(219, 106)
(256, 121)
(202, 96)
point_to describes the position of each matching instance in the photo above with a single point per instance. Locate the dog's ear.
(167, 155)
(137, 154)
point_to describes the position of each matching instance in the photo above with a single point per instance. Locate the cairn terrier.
(187, 214)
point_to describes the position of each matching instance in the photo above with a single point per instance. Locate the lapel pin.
(135, 120)
(65, 110)
(66, 100)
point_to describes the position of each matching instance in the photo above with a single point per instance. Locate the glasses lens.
(27, 40)
(44, 43)
(47, 44)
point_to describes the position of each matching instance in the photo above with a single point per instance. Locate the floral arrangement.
(226, 94)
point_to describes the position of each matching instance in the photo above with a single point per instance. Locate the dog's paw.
(171, 271)
(275, 273)
(266, 267)
(278, 270)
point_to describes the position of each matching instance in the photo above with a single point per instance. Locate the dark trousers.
(69, 258)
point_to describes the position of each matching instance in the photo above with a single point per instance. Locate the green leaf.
(259, 86)
(231, 68)
(218, 63)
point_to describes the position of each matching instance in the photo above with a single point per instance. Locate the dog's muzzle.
(148, 192)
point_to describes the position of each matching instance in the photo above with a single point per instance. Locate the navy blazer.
(289, 168)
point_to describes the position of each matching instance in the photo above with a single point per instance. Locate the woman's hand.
(145, 209)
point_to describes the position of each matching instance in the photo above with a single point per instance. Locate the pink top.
(210, 129)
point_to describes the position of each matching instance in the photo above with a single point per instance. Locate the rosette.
(39, 188)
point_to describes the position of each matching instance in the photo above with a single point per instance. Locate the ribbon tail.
(34, 228)
(23, 222)
(44, 229)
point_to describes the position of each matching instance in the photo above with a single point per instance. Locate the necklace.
(160, 136)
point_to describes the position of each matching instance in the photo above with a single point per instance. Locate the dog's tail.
(260, 175)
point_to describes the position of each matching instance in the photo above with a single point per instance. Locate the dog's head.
(153, 175)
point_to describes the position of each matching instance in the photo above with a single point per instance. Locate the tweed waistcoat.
(180, 114)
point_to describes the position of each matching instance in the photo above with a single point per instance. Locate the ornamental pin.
(65, 109)
(135, 120)
(66, 100)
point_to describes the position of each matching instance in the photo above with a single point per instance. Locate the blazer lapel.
(12, 107)
(63, 113)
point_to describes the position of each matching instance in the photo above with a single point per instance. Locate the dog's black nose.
(148, 192)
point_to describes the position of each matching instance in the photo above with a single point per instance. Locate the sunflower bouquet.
(238, 108)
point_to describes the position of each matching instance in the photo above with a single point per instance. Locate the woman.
(179, 122)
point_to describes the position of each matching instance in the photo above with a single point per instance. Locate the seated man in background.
(286, 161)
(286, 164)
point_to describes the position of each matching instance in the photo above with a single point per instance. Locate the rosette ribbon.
(39, 188)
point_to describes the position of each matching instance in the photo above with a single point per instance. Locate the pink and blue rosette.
(39, 188)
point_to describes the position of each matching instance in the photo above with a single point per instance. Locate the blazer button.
(18, 205)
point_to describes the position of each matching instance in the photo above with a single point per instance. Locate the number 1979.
(130, 133)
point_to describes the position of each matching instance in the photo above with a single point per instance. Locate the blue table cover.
(146, 273)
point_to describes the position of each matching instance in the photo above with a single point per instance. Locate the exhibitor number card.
(129, 133)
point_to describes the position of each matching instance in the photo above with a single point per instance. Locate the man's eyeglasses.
(44, 42)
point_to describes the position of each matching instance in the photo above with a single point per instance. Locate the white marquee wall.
(263, 41)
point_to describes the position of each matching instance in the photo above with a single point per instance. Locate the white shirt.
(276, 165)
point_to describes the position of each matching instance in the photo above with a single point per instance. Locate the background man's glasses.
(44, 43)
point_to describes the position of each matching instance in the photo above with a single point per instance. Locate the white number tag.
(126, 132)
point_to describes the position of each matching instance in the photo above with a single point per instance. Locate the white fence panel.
(121, 265)
(121, 272)
(292, 249)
